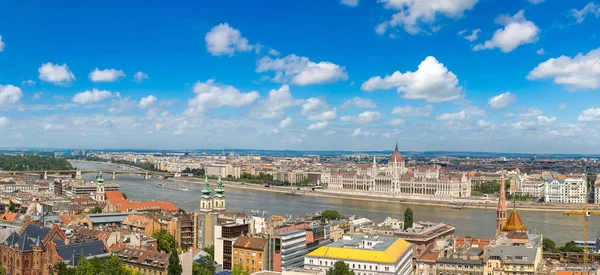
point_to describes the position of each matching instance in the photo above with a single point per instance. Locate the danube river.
(472, 222)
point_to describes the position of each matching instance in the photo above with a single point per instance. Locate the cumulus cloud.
(529, 112)
(1, 44)
(56, 74)
(432, 81)
(10, 94)
(422, 15)
(211, 94)
(419, 111)
(540, 51)
(464, 114)
(300, 70)
(471, 37)
(502, 101)
(92, 96)
(537, 122)
(358, 102)
(589, 9)
(578, 73)
(286, 122)
(276, 103)
(139, 77)
(4, 121)
(351, 3)
(591, 114)
(225, 40)
(318, 110)
(106, 75)
(397, 121)
(147, 102)
(28, 83)
(358, 132)
(364, 117)
(317, 126)
(517, 31)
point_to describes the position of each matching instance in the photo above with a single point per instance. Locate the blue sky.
(461, 75)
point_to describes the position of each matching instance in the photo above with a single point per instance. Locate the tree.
(569, 247)
(174, 267)
(204, 266)
(239, 269)
(124, 195)
(408, 218)
(2, 271)
(112, 265)
(96, 210)
(61, 268)
(84, 267)
(340, 268)
(330, 215)
(548, 244)
(11, 206)
(166, 242)
(181, 211)
(211, 251)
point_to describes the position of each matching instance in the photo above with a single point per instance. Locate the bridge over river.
(78, 174)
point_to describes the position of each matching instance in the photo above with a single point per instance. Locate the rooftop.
(381, 250)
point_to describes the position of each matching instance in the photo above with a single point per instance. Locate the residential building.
(144, 261)
(365, 255)
(422, 234)
(288, 249)
(565, 189)
(117, 203)
(224, 237)
(533, 188)
(223, 170)
(252, 253)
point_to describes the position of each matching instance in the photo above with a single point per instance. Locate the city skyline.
(353, 75)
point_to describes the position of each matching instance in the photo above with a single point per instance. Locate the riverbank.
(491, 205)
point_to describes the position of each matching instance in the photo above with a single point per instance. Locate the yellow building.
(365, 255)
(251, 253)
(143, 261)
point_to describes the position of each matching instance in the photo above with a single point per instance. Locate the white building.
(223, 170)
(570, 189)
(597, 191)
(396, 180)
(365, 255)
(533, 188)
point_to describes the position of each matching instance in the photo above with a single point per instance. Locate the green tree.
(112, 265)
(408, 218)
(211, 251)
(330, 215)
(181, 211)
(166, 242)
(239, 269)
(2, 271)
(11, 206)
(174, 267)
(548, 244)
(96, 210)
(61, 268)
(84, 267)
(569, 247)
(124, 195)
(204, 266)
(340, 268)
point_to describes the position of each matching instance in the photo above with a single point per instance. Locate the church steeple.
(396, 146)
(99, 178)
(219, 200)
(206, 202)
(501, 209)
(206, 190)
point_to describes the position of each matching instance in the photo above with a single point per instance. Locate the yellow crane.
(586, 214)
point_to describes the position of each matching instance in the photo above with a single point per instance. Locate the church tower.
(206, 200)
(100, 194)
(219, 200)
(501, 209)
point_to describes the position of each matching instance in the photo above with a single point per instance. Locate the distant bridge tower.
(114, 175)
(78, 175)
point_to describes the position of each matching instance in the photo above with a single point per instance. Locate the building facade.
(252, 253)
(288, 249)
(570, 189)
(396, 179)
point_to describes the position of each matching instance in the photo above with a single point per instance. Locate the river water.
(472, 222)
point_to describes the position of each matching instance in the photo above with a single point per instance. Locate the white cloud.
(4, 121)
(540, 51)
(106, 75)
(121, 105)
(502, 101)
(10, 94)
(274, 52)
(210, 94)
(56, 74)
(462, 115)
(147, 101)
(471, 37)
(590, 8)
(591, 114)
(275, 103)
(364, 117)
(517, 31)
(92, 96)
(357, 102)
(139, 77)
(38, 95)
(285, 122)
(416, 15)
(536, 1)
(509, 115)
(482, 123)
(407, 110)
(397, 121)
(432, 82)
(300, 70)
(225, 40)
(382, 27)
(1, 44)
(358, 132)
(579, 72)
(539, 121)
(318, 110)
(562, 106)
(351, 3)
(28, 82)
(529, 112)
(317, 126)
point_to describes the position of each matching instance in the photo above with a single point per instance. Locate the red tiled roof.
(250, 243)
(124, 205)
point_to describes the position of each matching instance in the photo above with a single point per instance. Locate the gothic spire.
(396, 146)
(206, 190)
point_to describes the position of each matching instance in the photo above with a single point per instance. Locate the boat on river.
(172, 186)
(296, 193)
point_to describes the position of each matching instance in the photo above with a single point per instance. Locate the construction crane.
(586, 214)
